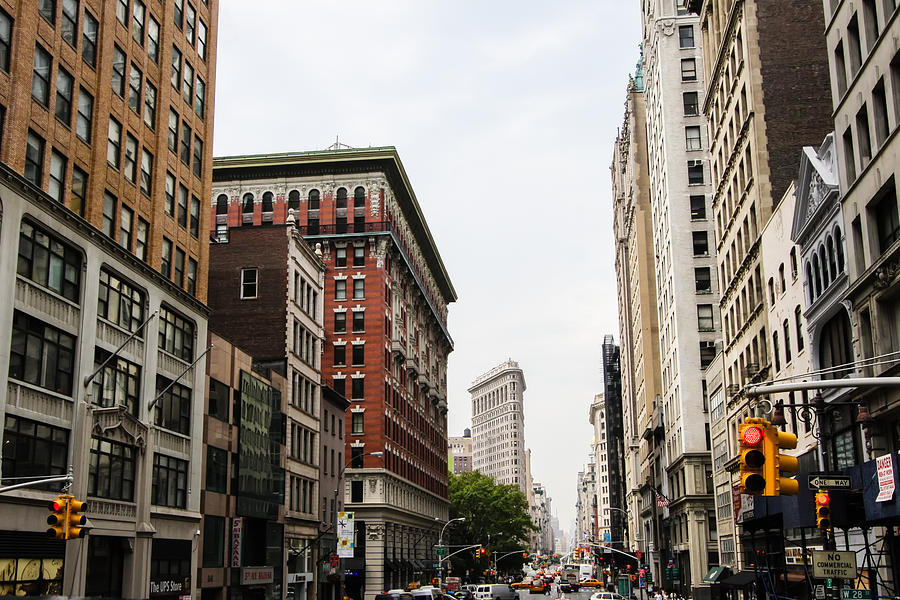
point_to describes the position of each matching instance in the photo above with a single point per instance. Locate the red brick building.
(386, 342)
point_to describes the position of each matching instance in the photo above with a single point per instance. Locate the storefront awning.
(741, 579)
(716, 573)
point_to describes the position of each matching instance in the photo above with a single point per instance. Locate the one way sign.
(828, 481)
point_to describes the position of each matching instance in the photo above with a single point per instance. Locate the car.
(462, 594)
(591, 583)
(607, 596)
(495, 591)
(394, 595)
(569, 586)
(521, 585)
(539, 587)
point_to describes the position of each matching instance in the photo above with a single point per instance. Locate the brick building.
(103, 237)
(386, 341)
(459, 452)
(266, 290)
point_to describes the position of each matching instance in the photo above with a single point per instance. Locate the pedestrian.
(658, 596)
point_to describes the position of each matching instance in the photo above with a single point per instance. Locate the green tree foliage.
(496, 517)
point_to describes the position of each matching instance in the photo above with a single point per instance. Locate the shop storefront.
(30, 564)
(170, 569)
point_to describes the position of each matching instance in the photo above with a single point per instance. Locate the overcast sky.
(504, 114)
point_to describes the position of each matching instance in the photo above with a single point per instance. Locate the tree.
(496, 517)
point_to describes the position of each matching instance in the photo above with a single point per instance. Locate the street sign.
(820, 591)
(441, 550)
(829, 563)
(828, 481)
(856, 594)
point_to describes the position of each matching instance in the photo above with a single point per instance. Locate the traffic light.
(823, 510)
(524, 555)
(57, 518)
(751, 437)
(778, 464)
(74, 521)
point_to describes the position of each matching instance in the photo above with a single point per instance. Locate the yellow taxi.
(595, 583)
(521, 585)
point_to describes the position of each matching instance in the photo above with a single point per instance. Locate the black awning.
(741, 579)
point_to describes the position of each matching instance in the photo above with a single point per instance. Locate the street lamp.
(346, 466)
(441, 539)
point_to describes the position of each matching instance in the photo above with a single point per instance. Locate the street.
(583, 594)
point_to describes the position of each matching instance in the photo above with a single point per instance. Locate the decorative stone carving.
(667, 26)
(817, 191)
(885, 274)
(375, 531)
(118, 424)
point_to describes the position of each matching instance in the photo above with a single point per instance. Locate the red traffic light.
(822, 499)
(753, 435)
(56, 505)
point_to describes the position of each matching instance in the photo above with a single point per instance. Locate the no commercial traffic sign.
(829, 482)
(829, 563)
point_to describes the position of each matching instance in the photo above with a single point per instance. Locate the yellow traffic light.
(57, 518)
(751, 438)
(777, 464)
(75, 521)
(823, 510)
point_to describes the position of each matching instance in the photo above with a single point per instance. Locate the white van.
(495, 591)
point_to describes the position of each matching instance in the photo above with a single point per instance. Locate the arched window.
(798, 325)
(839, 249)
(794, 262)
(787, 341)
(341, 198)
(823, 261)
(294, 199)
(818, 276)
(832, 263)
(268, 197)
(359, 197)
(776, 354)
(313, 199)
(222, 205)
(811, 294)
(772, 291)
(248, 202)
(781, 281)
(835, 345)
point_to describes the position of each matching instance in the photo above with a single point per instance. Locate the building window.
(34, 158)
(165, 266)
(702, 280)
(6, 24)
(192, 277)
(185, 143)
(340, 355)
(122, 12)
(698, 208)
(691, 106)
(146, 172)
(340, 322)
(114, 143)
(134, 89)
(109, 214)
(57, 176)
(359, 321)
(340, 289)
(138, 14)
(112, 470)
(169, 481)
(686, 36)
(118, 383)
(120, 302)
(85, 120)
(216, 470)
(700, 243)
(179, 267)
(89, 39)
(340, 257)
(705, 317)
(130, 168)
(201, 39)
(357, 392)
(200, 98)
(118, 72)
(176, 68)
(176, 334)
(188, 87)
(219, 399)
(835, 347)
(126, 226)
(692, 138)
(179, 13)
(885, 213)
(182, 206)
(688, 69)
(49, 262)
(78, 191)
(249, 283)
(198, 157)
(65, 84)
(359, 289)
(149, 104)
(195, 216)
(190, 22)
(798, 325)
(213, 541)
(173, 410)
(787, 342)
(359, 256)
(40, 80)
(153, 40)
(34, 449)
(173, 130)
(695, 172)
(359, 354)
(313, 200)
(357, 423)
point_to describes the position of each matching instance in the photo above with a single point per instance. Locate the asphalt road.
(583, 594)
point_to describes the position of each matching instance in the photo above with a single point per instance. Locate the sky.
(504, 114)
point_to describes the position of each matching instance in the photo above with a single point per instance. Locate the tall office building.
(685, 267)
(106, 116)
(385, 301)
(498, 425)
(460, 452)
(642, 426)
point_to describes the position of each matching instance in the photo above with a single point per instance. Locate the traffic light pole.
(35, 482)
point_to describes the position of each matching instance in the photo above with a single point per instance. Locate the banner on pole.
(346, 527)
